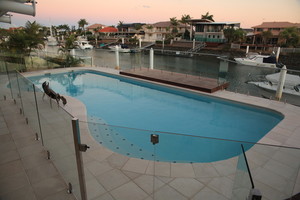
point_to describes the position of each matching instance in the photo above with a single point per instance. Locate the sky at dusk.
(248, 12)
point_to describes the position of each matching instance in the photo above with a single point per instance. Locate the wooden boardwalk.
(199, 83)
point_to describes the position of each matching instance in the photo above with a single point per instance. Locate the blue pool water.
(114, 103)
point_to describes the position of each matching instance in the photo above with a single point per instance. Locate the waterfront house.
(160, 30)
(108, 31)
(275, 28)
(210, 32)
(93, 27)
(131, 29)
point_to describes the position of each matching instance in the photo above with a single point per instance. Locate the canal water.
(200, 65)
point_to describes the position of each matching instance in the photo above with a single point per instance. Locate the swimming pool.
(114, 103)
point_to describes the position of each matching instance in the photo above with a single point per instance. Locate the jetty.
(199, 83)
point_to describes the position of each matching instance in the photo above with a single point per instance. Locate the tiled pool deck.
(24, 169)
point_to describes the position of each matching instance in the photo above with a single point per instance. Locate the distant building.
(93, 27)
(159, 30)
(210, 32)
(108, 31)
(130, 29)
(275, 28)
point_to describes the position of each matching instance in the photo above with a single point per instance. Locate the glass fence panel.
(108, 60)
(242, 181)
(29, 104)
(38, 62)
(5, 91)
(263, 82)
(57, 133)
(201, 166)
(119, 162)
(14, 87)
(2, 66)
(275, 170)
(197, 167)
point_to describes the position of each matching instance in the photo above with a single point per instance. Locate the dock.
(199, 83)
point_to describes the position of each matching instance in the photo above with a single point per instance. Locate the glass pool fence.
(115, 165)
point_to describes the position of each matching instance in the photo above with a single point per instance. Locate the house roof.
(219, 23)
(277, 25)
(166, 24)
(108, 30)
(199, 20)
(94, 26)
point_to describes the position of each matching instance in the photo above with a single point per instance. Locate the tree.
(185, 20)
(64, 29)
(120, 26)
(149, 27)
(266, 35)
(207, 16)
(67, 59)
(234, 35)
(290, 36)
(82, 23)
(174, 22)
(23, 41)
(137, 27)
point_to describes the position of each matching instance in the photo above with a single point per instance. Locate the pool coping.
(286, 133)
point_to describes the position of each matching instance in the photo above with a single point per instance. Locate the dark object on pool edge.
(52, 94)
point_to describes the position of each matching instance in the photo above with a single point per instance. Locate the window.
(200, 28)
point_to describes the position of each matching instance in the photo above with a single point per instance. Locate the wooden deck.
(199, 83)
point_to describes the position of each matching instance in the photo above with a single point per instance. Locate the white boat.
(291, 89)
(258, 60)
(121, 48)
(51, 41)
(290, 79)
(83, 44)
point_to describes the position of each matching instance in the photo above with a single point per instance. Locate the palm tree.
(207, 16)
(23, 41)
(120, 25)
(82, 23)
(96, 33)
(174, 22)
(64, 27)
(290, 36)
(185, 20)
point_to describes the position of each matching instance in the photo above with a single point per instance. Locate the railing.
(128, 163)
(51, 123)
(45, 60)
(177, 166)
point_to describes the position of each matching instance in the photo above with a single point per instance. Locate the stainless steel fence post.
(80, 169)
